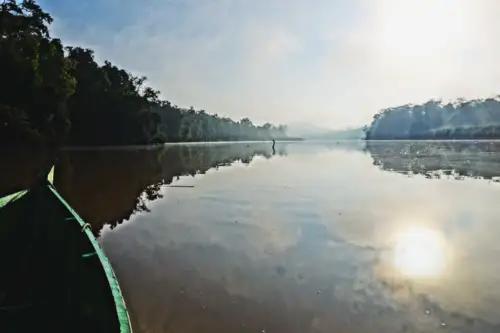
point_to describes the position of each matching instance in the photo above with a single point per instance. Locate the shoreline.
(433, 139)
(42, 147)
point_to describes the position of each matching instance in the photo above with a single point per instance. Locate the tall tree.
(55, 94)
(35, 81)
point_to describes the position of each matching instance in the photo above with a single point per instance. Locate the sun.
(420, 252)
(419, 28)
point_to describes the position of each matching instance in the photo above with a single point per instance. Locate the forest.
(54, 94)
(434, 120)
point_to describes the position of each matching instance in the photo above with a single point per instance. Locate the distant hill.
(305, 130)
(345, 134)
(461, 119)
(313, 132)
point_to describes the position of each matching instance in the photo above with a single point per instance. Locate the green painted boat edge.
(11, 197)
(121, 308)
(17, 195)
(50, 176)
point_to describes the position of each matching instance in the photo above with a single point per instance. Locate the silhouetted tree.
(52, 94)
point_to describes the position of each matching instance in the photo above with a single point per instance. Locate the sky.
(331, 63)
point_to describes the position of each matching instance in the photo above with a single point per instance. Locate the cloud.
(411, 51)
(330, 62)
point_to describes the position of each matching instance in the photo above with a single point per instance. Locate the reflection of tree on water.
(457, 159)
(108, 186)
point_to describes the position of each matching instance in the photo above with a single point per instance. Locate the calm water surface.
(317, 237)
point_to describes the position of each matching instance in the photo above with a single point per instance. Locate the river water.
(313, 237)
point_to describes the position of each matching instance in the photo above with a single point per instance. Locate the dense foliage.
(52, 94)
(461, 119)
(35, 80)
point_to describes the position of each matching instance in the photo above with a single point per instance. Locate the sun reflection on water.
(420, 252)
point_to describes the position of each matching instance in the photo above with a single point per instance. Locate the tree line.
(434, 120)
(55, 94)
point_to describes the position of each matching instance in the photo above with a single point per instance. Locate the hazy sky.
(327, 62)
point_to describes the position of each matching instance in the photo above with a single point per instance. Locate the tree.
(54, 94)
(35, 82)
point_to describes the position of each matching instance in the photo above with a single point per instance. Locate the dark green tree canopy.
(51, 94)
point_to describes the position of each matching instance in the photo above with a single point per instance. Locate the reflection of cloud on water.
(271, 247)
(215, 278)
(194, 284)
(467, 220)
(328, 285)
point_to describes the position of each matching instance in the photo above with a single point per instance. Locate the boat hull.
(54, 275)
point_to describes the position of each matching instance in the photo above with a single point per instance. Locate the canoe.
(54, 276)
